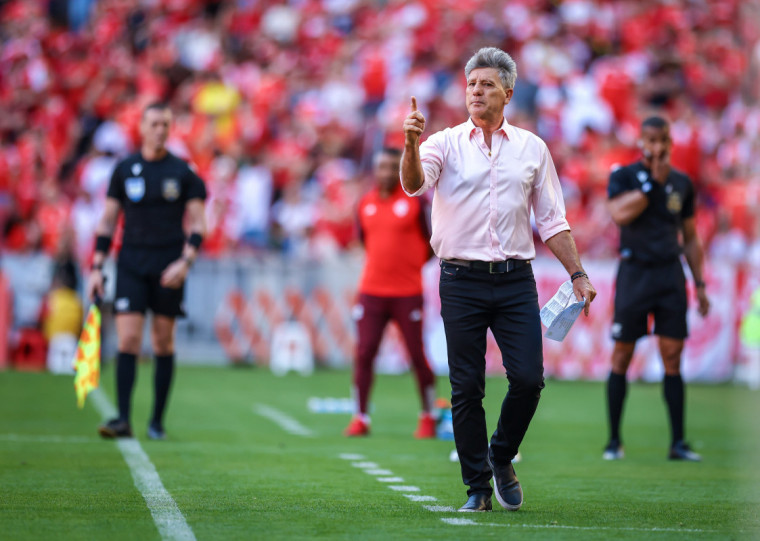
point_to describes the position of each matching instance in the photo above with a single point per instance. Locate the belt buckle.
(493, 267)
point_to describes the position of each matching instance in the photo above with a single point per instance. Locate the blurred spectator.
(62, 318)
(285, 88)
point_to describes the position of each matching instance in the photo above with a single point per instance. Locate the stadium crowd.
(280, 105)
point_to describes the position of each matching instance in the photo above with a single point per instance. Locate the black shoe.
(682, 451)
(115, 428)
(613, 451)
(506, 487)
(475, 503)
(156, 432)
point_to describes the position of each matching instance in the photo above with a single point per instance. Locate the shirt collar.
(505, 127)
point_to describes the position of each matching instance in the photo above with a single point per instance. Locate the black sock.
(125, 382)
(162, 383)
(673, 390)
(616, 390)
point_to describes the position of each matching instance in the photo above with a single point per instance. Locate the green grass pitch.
(237, 475)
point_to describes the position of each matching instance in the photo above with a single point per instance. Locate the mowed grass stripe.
(236, 475)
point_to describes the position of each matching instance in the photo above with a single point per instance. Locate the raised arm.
(412, 174)
(563, 247)
(627, 206)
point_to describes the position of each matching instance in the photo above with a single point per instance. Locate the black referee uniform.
(651, 282)
(153, 195)
(650, 277)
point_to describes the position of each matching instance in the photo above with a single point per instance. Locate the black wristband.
(579, 274)
(699, 283)
(195, 240)
(102, 244)
(98, 267)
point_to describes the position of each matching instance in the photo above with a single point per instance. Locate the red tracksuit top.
(397, 242)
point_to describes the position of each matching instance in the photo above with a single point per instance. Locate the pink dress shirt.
(483, 199)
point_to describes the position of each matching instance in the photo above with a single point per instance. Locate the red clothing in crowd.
(396, 238)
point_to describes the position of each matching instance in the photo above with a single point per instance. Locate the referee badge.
(170, 189)
(134, 188)
(674, 203)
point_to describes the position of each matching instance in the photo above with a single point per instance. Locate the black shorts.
(642, 289)
(138, 282)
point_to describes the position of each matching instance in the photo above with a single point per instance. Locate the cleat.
(115, 428)
(155, 432)
(682, 451)
(506, 487)
(475, 503)
(356, 428)
(425, 427)
(613, 451)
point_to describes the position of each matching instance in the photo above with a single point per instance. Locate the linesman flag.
(87, 360)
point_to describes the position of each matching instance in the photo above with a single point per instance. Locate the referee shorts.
(138, 282)
(642, 289)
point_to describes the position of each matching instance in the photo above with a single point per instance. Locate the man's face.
(386, 171)
(154, 127)
(486, 96)
(655, 142)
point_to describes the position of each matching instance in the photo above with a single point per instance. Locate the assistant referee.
(157, 192)
(654, 206)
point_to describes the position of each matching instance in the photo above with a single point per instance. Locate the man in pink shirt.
(488, 176)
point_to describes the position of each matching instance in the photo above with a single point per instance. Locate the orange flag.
(87, 361)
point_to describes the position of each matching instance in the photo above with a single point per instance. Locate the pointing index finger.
(414, 104)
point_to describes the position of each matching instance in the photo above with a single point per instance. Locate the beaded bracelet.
(579, 274)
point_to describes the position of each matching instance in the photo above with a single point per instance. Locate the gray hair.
(491, 57)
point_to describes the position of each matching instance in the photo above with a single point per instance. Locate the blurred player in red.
(394, 230)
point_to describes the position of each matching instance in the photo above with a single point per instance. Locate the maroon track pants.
(372, 315)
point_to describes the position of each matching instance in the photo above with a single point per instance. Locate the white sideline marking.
(379, 472)
(284, 421)
(417, 498)
(470, 522)
(439, 508)
(364, 465)
(404, 488)
(460, 521)
(351, 456)
(169, 519)
(391, 479)
(31, 438)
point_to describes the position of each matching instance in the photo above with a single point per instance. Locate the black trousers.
(471, 302)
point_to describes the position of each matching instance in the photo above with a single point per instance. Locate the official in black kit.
(158, 194)
(654, 206)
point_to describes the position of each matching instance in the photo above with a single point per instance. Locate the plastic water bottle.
(445, 428)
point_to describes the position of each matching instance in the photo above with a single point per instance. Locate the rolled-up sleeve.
(431, 156)
(547, 200)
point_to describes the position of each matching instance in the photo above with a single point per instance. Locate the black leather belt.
(492, 267)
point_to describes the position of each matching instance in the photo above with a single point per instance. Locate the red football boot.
(357, 427)
(425, 427)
